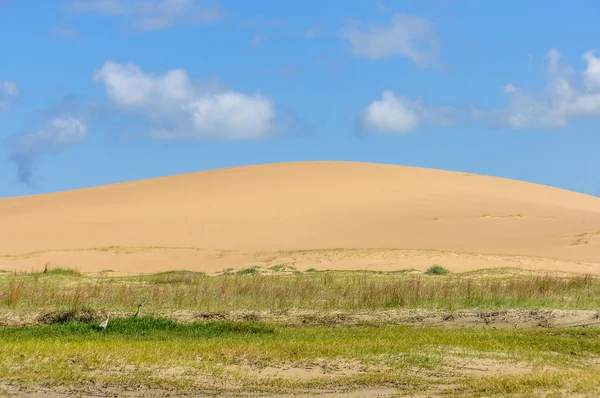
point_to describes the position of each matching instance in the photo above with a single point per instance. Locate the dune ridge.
(266, 213)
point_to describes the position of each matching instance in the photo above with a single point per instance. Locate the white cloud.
(592, 72)
(391, 114)
(149, 14)
(240, 115)
(129, 87)
(553, 60)
(559, 102)
(10, 89)
(397, 114)
(407, 35)
(54, 136)
(8, 92)
(194, 111)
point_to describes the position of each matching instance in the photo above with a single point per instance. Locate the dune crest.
(232, 217)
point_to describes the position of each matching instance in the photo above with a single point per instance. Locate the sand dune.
(270, 213)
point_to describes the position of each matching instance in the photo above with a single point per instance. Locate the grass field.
(235, 332)
(282, 288)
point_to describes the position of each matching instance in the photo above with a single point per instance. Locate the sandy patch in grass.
(487, 367)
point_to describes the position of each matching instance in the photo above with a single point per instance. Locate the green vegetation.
(437, 270)
(158, 353)
(282, 268)
(63, 272)
(250, 290)
(249, 271)
(277, 268)
(220, 344)
(181, 277)
(147, 327)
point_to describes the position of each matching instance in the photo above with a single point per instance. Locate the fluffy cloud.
(407, 35)
(561, 100)
(391, 114)
(129, 87)
(234, 115)
(592, 73)
(149, 14)
(8, 92)
(396, 114)
(191, 111)
(54, 136)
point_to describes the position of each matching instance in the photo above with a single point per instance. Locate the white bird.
(103, 324)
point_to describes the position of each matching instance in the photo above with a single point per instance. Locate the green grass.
(67, 272)
(159, 353)
(144, 327)
(250, 290)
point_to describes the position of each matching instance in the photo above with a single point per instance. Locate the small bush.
(249, 271)
(311, 270)
(437, 270)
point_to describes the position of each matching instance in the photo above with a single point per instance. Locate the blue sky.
(101, 91)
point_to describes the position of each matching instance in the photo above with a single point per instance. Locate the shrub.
(437, 270)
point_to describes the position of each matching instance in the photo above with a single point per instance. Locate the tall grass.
(311, 290)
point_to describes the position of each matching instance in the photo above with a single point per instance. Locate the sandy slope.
(216, 219)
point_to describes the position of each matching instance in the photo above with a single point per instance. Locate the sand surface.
(377, 217)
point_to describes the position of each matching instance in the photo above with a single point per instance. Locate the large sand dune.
(292, 212)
